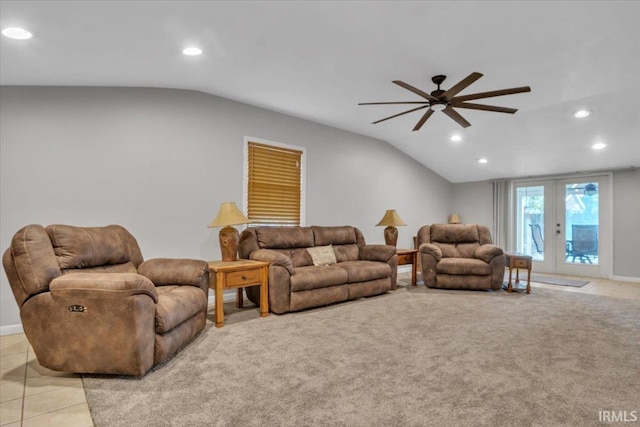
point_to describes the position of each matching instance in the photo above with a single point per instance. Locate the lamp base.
(229, 237)
(391, 235)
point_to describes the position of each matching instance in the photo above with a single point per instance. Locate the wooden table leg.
(219, 306)
(239, 298)
(414, 267)
(264, 292)
(529, 279)
(509, 286)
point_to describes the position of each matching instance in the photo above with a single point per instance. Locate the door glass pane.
(530, 221)
(581, 218)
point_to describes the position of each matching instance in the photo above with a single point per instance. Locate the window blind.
(274, 185)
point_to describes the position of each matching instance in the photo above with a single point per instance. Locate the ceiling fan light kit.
(446, 100)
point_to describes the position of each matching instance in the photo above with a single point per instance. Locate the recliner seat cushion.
(463, 266)
(307, 278)
(177, 304)
(362, 271)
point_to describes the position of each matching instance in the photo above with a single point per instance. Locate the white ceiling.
(318, 59)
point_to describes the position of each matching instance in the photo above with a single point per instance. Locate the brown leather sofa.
(295, 283)
(89, 304)
(460, 256)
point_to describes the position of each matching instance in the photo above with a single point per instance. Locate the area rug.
(557, 281)
(411, 357)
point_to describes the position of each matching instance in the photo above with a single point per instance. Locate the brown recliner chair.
(460, 256)
(89, 304)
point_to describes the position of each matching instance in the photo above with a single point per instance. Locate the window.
(274, 187)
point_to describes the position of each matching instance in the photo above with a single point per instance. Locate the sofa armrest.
(487, 252)
(102, 285)
(165, 271)
(273, 257)
(431, 249)
(382, 253)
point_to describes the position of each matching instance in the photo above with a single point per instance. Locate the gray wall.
(626, 230)
(474, 201)
(160, 162)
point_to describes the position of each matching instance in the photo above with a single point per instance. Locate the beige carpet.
(412, 357)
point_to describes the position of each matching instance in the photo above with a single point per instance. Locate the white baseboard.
(626, 279)
(11, 329)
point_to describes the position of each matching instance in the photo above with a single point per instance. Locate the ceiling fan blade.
(491, 94)
(398, 102)
(400, 114)
(456, 117)
(423, 119)
(483, 107)
(460, 86)
(415, 90)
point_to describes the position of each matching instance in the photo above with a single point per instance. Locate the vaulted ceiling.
(318, 59)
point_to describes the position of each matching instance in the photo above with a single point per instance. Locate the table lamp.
(391, 220)
(454, 218)
(229, 215)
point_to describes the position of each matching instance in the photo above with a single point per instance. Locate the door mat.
(558, 281)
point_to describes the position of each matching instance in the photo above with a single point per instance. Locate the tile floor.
(31, 395)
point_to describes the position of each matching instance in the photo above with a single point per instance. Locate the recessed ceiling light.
(482, 160)
(581, 114)
(456, 138)
(192, 51)
(598, 145)
(16, 33)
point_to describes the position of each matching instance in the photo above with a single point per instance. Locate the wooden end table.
(518, 261)
(238, 274)
(409, 256)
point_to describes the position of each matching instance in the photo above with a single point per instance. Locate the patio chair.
(584, 243)
(536, 234)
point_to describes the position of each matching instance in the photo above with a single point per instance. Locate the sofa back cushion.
(344, 240)
(455, 240)
(284, 237)
(84, 247)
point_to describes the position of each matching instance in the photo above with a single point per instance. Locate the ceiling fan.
(446, 100)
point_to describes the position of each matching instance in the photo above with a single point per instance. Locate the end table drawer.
(405, 259)
(521, 263)
(238, 278)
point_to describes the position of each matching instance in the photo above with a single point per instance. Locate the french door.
(564, 224)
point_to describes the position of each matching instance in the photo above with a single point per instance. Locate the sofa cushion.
(462, 250)
(177, 304)
(463, 266)
(454, 233)
(361, 271)
(346, 252)
(322, 255)
(306, 278)
(300, 257)
(284, 237)
(343, 235)
(81, 247)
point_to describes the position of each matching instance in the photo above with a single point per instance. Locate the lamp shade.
(391, 218)
(229, 214)
(454, 218)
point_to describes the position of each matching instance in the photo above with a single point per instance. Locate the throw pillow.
(322, 255)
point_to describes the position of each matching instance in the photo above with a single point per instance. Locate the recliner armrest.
(165, 271)
(487, 252)
(102, 285)
(382, 253)
(431, 249)
(273, 257)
